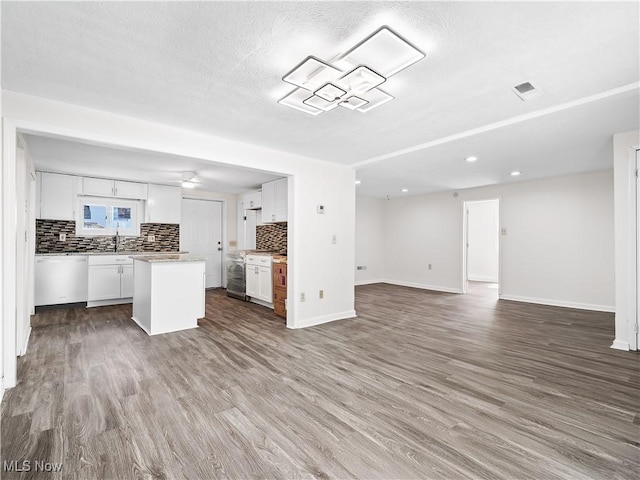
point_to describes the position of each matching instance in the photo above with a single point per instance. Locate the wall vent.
(527, 91)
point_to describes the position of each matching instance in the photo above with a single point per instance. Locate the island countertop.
(169, 258)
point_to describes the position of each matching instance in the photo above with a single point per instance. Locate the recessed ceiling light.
(515, 174)
(405, 190)
(358, 182)
(471, 159)
(188, 185)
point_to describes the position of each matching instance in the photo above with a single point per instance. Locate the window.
(101, 216)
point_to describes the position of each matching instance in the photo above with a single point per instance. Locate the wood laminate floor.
(420, 385)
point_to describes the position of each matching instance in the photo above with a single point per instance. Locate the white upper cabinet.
(100, 187)
(252, 201)
(164, 204)
(282, 200)
(57, 196)
(133, 190)
(275, 201)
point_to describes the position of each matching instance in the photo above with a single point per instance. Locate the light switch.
(321, 209)
(503, 231)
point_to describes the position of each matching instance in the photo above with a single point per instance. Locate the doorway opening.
(481, 252)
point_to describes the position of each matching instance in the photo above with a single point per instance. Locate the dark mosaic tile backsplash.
(272, 237)
(167, 239)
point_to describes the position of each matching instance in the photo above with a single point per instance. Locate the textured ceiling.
(216, 67)
(64, 156)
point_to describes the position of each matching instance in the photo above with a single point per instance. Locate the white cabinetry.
(132, 190)
(57, 196)
(258, 279)
(252, 201)
(164, 204)
(101, 187)
(275, 201)
(126, 281)
(110, 279)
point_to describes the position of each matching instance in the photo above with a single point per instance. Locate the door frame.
(634, 251)
(223, 230)
(465, 242)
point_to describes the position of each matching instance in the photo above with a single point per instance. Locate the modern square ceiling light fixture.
(353, 79)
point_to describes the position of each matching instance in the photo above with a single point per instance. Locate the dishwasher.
(60, 279)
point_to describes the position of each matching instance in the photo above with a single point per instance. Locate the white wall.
(482, 236)
(624, 145)
(423, 230)
(558, 249)
(369, 240)
(315, 262)
(5, 308)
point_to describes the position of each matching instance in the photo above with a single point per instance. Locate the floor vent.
(527, 91)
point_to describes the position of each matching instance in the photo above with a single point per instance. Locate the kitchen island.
(168, 293)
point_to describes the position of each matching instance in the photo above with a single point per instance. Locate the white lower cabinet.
(126, 281)
(110, 279)
(104, 282)
(258, 278)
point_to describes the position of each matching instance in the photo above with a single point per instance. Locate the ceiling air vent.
(527, 91)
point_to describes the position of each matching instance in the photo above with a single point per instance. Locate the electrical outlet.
(429, 266)
(321, 294)
(361, 267)
(62, 237)
(303, 297)
(503, 231)
(151, 238)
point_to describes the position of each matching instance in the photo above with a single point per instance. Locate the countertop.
(129, 253)
(168, 258)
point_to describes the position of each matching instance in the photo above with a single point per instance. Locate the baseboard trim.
(482, 279)
(559, 303)
(164, 331)
(104, 303)
(26, 342)
(368, 282)
(421, 286)
(312, 322)
(620, 345)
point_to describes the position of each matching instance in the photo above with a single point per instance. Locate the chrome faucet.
(116, 244)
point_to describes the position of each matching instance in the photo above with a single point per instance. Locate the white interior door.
(201, 234)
